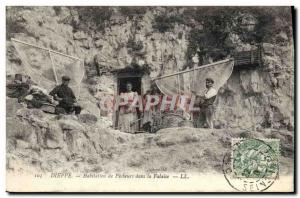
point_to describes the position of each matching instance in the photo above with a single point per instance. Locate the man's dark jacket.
(66, 93)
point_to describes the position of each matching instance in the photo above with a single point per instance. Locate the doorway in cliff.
(134, 80)
(139, 80)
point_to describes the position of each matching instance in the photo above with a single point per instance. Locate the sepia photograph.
(150, 99)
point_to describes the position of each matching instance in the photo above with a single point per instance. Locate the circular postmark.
(252, 165)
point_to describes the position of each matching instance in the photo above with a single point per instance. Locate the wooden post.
(194, 87)
(252, 115)
(178, 80)
(251, 57)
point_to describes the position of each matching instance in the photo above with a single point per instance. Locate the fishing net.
(46, 67)
(193, 80)
(71, 67)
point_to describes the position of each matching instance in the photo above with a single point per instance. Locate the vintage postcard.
(150, 99)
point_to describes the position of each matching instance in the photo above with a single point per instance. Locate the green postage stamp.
(255, 158)
(253, 164)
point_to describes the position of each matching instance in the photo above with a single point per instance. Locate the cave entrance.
(135, 77)
(134, 80)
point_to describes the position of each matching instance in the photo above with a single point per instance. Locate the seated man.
(66, 98)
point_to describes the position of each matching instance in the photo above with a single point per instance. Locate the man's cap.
(210, 80)
(65, 78)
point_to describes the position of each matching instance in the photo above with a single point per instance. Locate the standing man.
(66, 98)
(209, 99)
(206, 105)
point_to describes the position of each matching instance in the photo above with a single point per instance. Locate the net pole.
(46, 49)
(178, 80)
(194, 87)
(79, 86)
(201, 67)
(54, 71)
(178, 77)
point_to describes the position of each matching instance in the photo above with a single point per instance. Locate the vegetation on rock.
(132, 12)
(90, 18)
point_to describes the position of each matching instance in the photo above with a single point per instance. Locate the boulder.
(87, 118)
(69, 123)
(12, 105)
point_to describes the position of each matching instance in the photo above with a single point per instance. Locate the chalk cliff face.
(154, 37)
(151, 38)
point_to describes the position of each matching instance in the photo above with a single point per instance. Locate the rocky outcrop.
(43, 143)
(39, 135)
